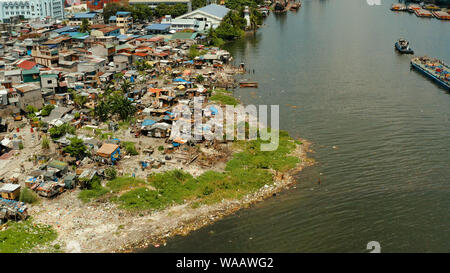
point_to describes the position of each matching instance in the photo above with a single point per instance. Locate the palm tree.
(85, 26)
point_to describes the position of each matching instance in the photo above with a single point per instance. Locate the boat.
(279, 6)
(248, 84)
(413, 7)
(403, 47)
(441, 15)
(398, 7)
(431, 7)
(296, 6)
(433, 68)
(423, 13)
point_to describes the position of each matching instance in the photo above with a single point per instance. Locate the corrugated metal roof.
(216, 10)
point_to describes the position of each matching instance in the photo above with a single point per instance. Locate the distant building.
(212, 15)
(154, 3)
(123, 20)
(30, 9)
(92, 17)
(99, 4)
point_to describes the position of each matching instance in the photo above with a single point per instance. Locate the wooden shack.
(10, 191)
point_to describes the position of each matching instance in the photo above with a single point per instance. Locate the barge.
(441, 15)
(433, 68)
(413, 7)
(423, 13)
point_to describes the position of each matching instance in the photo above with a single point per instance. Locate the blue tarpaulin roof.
(213, 110)
(148, 122)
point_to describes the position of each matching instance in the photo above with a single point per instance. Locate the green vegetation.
(28, 196)
(93, 191)
(47, 109)
(123, 183)
(110, 173)
(245, 173)
(141, 12)
(194, 52)
(129, 147)
(85, 26)
(76, 148)
(45, 144)
(58, 131)
(115, 104)
(23, 236)
(224, 97)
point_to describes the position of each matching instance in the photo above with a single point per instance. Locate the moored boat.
(398, 7)
(413, 7)
(433, 68)
(295, 6)
(423, 13)
(403, 47)
(442, 15)
(431, 7)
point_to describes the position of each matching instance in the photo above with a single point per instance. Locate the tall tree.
(85, 26)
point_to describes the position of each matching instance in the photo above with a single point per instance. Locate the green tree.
(121, 106)
(85, 26)
(102, 110)
(47, 109)
(76, 148)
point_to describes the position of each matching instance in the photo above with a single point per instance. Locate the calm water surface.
(333, 70)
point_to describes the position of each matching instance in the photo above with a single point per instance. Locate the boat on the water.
(431, 7)
(296, 6)
(398, 7)
(433, 68)
(441, 15)
(248, 84)
(423, 13)
(413, 7)
(402, 46)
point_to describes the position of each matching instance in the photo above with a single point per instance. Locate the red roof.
(141, 54)
(27, 65)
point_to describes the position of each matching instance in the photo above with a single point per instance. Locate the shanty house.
(10, 191)
(30, 94)
(109, 153)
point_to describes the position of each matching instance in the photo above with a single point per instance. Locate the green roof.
(183, 35)
(33, 70)
(57, 164)
(49, 76)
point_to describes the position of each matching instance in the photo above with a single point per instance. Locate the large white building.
(30, 9)
(212, 15)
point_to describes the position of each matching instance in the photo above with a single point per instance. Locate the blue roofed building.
(211, 14)
(157, 28)
(92, 17)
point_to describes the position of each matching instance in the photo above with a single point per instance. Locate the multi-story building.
(30, 9)
(100, 4)
(92, 17)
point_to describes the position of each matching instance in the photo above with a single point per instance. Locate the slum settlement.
(86, 130)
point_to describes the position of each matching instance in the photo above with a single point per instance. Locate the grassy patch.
(28, 196)
(223, 96)
(95, 191)
(23, 236)
(130, 148)
(122, 183)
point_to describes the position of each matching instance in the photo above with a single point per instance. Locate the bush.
(47, 109)
(161, 148)
(45, 143)
(110, 173)
(129, 147)
(28, 196)
(94, 190)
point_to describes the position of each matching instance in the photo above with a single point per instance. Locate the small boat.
(441, 15)
(423, 13)
(413, 7)
(431, 7)
(403, 47)
(295, 6)
(398, 7)
(248, 84)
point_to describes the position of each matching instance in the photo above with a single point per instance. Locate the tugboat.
(403, 47)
